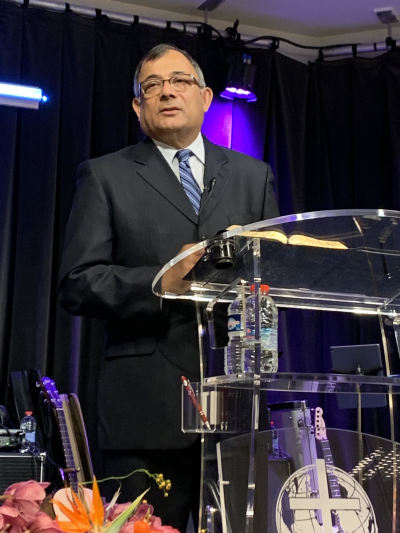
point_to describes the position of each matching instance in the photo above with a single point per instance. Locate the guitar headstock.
(319, 423)
(50, 391)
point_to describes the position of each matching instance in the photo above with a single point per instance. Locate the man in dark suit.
(130, 216)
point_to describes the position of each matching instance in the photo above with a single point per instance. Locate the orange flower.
(97, 514)
(81, 515)
(144, 527)
(85, 512)
(141, 527)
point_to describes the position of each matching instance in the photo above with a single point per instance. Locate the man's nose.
(167, 89)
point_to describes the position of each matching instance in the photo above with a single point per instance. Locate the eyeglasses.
(180, 83)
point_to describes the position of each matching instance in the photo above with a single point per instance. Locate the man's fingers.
(195, 256)
(173, 279)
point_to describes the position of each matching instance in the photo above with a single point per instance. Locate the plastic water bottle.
(233, 350)
(268, 332)
(28, 428)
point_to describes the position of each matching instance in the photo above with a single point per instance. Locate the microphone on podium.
(222, 251)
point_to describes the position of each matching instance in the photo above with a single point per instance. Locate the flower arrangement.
(26, 508)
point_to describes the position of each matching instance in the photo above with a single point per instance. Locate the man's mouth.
(169, 109)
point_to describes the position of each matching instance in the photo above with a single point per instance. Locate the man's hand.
(173, 281)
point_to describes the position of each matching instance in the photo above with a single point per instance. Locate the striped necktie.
(189, 184)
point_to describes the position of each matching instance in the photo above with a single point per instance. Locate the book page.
(296, 239)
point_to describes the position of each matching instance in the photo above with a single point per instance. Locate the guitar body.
(64, 496)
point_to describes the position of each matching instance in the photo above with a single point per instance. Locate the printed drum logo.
(299, 510)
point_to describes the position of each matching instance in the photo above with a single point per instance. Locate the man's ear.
(207, 96)
(136, 107)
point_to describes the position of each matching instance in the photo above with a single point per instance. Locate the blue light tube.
(12, 94)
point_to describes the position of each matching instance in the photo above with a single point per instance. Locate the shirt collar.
(197, 147)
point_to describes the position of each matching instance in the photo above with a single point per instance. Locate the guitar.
(334, 488)
(77, 436)
(74, 442)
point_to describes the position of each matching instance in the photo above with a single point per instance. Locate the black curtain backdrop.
(332, 136)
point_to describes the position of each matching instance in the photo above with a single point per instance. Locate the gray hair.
(158, 51)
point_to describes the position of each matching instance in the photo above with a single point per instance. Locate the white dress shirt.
(196, 160)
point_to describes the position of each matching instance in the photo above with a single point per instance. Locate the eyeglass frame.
(192, 77)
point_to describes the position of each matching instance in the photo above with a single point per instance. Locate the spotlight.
(12, 94)
(241, 80)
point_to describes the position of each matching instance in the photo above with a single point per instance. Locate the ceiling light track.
(230, 35)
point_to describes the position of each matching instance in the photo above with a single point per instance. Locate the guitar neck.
(77, 436)
(68, 455)
(332, 479)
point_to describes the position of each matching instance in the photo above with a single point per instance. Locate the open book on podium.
(296, 239)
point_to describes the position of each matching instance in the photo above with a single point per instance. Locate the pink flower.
(26, 497)
(11, 518)
(156, 521)
(142, 510)
(116, 510)
(126, 528)
(44, 524)
(8, 511)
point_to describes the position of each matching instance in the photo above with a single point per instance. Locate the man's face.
(172, 117)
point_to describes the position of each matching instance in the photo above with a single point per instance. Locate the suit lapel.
(153, 168)
(216, 177)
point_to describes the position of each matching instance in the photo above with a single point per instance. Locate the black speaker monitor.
(361, 359)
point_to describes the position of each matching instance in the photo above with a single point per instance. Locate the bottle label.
(250, 333)
(234, 322)
(30, 437)
(269, 337)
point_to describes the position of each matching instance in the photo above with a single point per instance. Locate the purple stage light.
(241, 79)
(237, 92)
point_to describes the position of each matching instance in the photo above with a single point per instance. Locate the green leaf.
(118, 522)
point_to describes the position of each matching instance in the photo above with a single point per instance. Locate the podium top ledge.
(343, 260)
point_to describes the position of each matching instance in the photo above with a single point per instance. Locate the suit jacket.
(129, 217)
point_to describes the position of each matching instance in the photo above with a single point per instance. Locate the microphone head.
(222, 252)
(211, 184)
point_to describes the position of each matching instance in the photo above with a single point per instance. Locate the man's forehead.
(172, 62)
(171, 74)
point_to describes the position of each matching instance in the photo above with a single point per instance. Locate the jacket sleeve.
(90, 283)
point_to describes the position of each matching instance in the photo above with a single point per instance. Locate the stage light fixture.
(241, 79)
(12, 94)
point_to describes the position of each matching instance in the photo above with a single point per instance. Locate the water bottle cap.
(28, 413)
(263, 287)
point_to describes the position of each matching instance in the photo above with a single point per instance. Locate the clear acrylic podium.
(273, 466)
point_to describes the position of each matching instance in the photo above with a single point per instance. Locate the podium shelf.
(309, 382)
